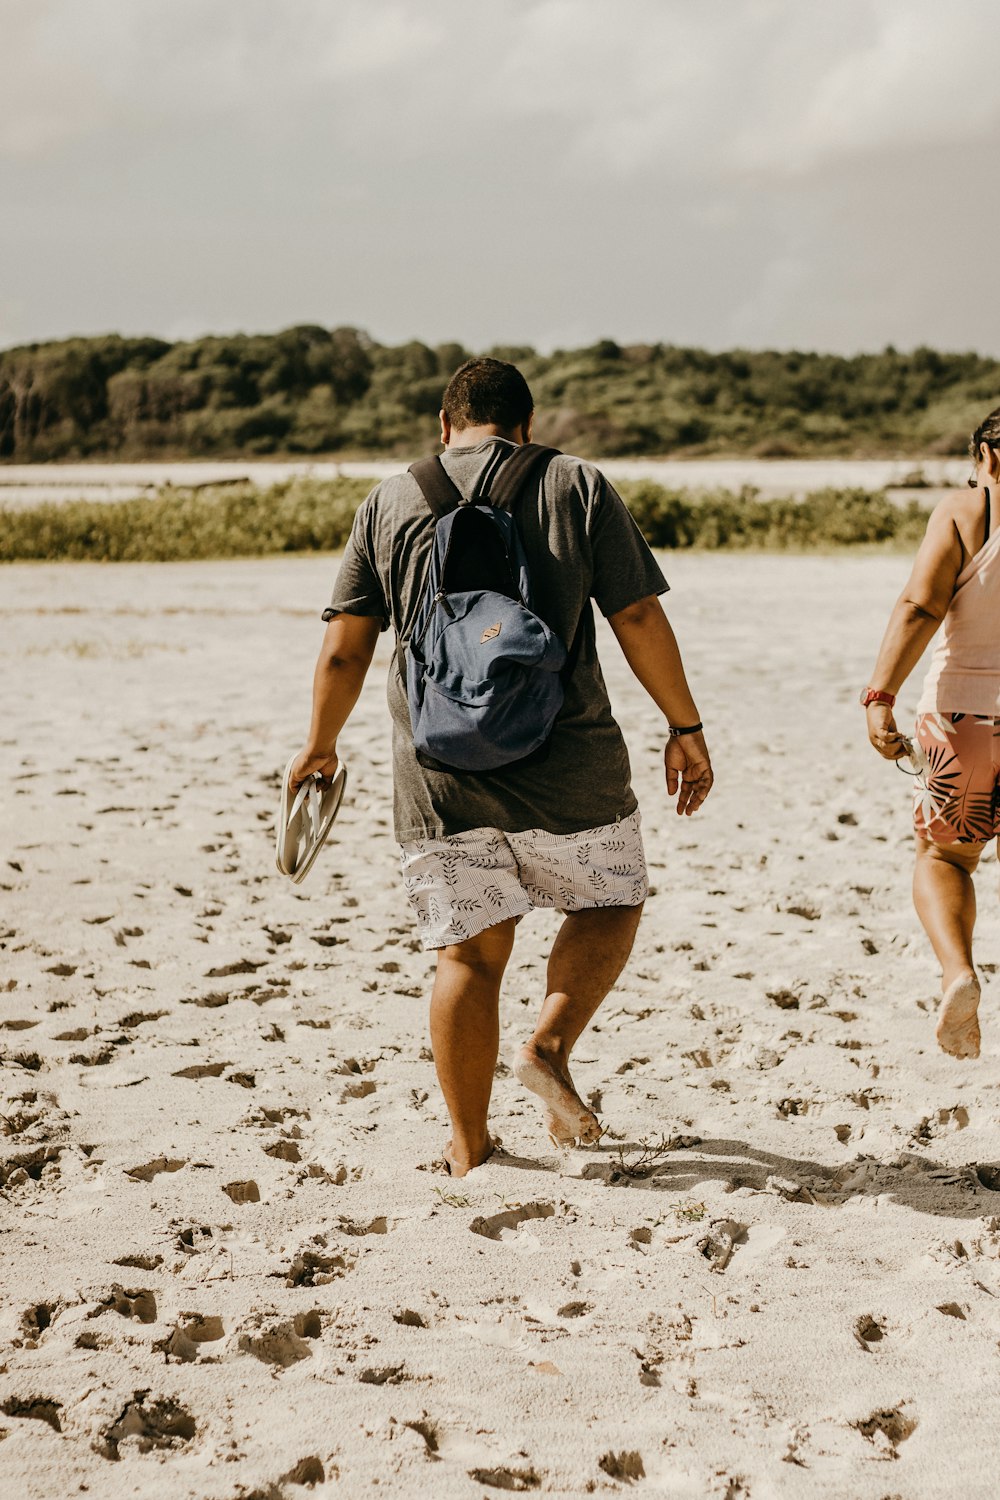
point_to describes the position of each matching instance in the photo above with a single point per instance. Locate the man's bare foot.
(567, 1117)
(460, 1165)
(958, 1021)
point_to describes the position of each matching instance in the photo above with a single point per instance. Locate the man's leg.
(465, 1036)
(945, 899)
(589, 953)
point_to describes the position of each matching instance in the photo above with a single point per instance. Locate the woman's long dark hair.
(987, 432)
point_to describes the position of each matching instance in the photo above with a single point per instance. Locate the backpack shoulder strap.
(515, 472)
(440, 493)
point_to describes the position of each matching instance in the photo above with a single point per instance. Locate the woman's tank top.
(964, 674)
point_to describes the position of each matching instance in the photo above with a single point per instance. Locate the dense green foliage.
(315, 516)
(309, 390)
(227, 521)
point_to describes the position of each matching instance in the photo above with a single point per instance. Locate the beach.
(231, 1268)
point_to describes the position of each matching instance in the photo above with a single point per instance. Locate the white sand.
(803, 1299)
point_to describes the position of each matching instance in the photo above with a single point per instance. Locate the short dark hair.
(987, 432)
(487, 393)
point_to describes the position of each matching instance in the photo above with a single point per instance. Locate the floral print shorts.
(956, 797)
(459, 886)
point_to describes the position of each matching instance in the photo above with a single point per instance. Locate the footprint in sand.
(34, 1408)
(283, 1151)
(316, 1267)
(36, 1319)
(408, 1318)
(360, 1090)
(308, 1471)
(868, 1331)
(139, 1262)
(30, 1166)
(492, 1228)
(138, 1303)
(720, 1244)
(507, 1479)
(886, 1429)
(384, 1375)
(379, 1225)
(944, 1120)
(161, 1423)
(188, 1334)
(242, 1192)
(151, 1169)
(203, 1070)
(425, 1429)
(626, 1466)
(282, 1344)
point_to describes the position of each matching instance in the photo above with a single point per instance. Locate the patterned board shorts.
(956, 796)
(461, 885)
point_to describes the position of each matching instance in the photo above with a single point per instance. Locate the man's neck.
(471, 437)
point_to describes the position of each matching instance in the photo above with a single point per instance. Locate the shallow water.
(31, 484)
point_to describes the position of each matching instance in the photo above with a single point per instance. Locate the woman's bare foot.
(958, 1021)
(459, 1165)
(567, 1117)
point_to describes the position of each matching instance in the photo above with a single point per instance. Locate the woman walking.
(955, 583)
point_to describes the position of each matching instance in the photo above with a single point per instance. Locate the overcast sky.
(770, 173)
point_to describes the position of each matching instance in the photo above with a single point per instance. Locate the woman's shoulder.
(960, 502)
(966, 511)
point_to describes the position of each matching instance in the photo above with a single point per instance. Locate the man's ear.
(527, 426)
(445, 428)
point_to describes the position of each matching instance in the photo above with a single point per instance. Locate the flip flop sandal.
(305, 820)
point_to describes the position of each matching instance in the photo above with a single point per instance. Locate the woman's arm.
(917, 614)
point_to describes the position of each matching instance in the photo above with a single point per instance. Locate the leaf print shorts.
(956, 797)
(459, 886)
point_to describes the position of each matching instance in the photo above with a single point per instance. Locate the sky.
(755, 173)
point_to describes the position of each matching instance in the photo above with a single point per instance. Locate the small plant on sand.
(643, 1159)
(453, 1200)
(692, 1213)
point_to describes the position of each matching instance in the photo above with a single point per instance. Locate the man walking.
(558, 830)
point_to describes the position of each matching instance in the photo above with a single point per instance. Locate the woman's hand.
(689, 771)
(883, 733)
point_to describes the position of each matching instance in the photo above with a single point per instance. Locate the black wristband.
(687, 729)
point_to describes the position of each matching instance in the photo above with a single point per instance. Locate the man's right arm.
(344, 658)
(650, 648)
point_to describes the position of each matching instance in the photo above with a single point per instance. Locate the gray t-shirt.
(581, 544)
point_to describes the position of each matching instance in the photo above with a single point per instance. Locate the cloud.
(900, 77)
(643, 86)
(658, 168)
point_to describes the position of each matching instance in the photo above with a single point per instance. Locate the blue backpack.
(485, 676)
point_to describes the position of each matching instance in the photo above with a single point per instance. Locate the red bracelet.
(876, 695)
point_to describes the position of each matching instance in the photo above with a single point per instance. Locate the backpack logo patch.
(490, 633)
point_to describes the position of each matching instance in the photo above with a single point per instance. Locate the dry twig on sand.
(643, 1159)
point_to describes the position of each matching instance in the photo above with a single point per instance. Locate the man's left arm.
(651, 650)
(344, 658)
(627, 581)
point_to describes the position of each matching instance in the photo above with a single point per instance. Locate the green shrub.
(307, 515)
(223, 521)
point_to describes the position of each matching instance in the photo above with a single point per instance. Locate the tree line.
(310, 391)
